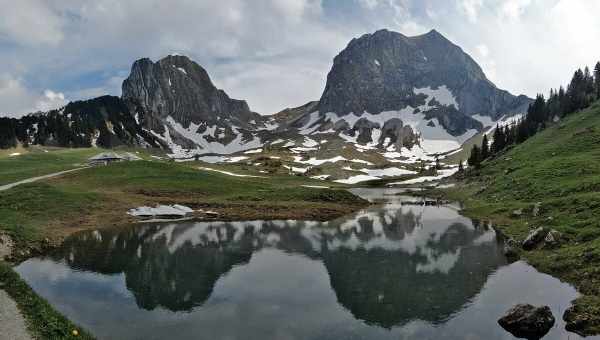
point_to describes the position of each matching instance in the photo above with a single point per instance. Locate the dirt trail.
(34, 179)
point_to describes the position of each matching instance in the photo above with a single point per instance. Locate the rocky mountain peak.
(177, 87)
(379, 72)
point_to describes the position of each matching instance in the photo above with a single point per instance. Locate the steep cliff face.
(387, 90)
(388, 98)
(184, 109)
(179, 88)
(380, 72)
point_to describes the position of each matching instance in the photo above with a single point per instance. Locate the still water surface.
(391, 271)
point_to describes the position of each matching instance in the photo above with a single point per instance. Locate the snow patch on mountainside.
(204, 146)
(442, 95)
(487, 121)
(433, 138)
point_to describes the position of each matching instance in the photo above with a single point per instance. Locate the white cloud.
(369, 4)
(51, 100)
(483, 50)
(29, 22)
(470, 8)
(17, 100)
(513, 9)
(275, 53)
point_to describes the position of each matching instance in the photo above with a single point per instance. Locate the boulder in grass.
(535, 238)
(553, 238)
(527, 321)
(581, 320)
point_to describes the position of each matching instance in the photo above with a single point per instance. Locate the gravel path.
(12, 324)
(34, 179)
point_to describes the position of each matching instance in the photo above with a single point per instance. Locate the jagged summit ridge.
(177, 87)
(389, 91)
(388, 96)
(378, 72)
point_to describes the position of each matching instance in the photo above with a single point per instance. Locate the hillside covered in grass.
(99, 197)
(558, 169)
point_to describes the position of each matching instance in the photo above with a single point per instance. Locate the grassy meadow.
(559, 169)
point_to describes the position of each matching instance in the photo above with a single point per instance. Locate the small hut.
(105, 158)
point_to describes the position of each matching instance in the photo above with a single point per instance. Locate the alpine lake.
(390, 271)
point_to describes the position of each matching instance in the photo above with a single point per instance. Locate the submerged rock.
(527, 321)
(535, 238)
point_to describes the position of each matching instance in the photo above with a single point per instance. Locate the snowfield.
(229, 173)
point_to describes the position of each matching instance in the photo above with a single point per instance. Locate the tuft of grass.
(26, 207)
(43, 321)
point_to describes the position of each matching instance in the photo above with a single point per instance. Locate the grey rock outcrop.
(378, 72)
(178, 87)
(535, 238)
(527, 321)
(553, 238)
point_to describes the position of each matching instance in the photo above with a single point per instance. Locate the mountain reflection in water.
(390, 266)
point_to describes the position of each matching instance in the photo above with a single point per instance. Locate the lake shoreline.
(587, 306)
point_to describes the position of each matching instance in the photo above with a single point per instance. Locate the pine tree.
(8, 138)
(498, 142)
(509, 135)
(597, 80)
(576, 92)
(475, 157)
(563, 102)
(485, 148)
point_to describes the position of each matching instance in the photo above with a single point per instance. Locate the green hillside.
(558, 168)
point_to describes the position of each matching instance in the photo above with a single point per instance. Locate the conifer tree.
(498, 142)
(485, 148)
(597, 80)
(475, 157)
(509, 135)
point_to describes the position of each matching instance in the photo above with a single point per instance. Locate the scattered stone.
(511, 253)
(517, 213)
(579, 321)
(210, 213)
(6, 246)
(537, 207)
(527, 321)
(553, 238)
(534, 238)
(510, 250)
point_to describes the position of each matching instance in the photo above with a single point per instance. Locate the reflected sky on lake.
(391, 271)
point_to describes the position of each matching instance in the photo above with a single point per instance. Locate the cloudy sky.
(273, 53)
